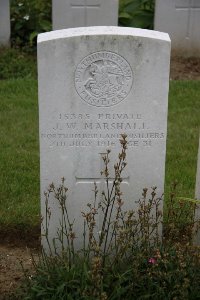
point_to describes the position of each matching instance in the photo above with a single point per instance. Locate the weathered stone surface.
(96, 83)
(4, 22)
(197, 190)
(197, 196)
(181, 19)
(78, 13)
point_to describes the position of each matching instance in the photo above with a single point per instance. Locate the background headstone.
(79, 13)
(197, 196)
(181, 19)
(96, 83)
(4, 22)
(197, 189)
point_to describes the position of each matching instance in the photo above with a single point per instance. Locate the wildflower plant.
(180, 222)
(63, 242)
(128, 258)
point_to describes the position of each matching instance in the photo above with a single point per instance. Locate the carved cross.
(83, 4)
(99, 179)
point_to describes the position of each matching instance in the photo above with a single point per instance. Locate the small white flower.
(20, 4)
(26, 17)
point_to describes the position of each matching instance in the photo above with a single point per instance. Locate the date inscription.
(100, 130)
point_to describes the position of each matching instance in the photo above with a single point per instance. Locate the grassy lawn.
(19, 151)
(183, 135)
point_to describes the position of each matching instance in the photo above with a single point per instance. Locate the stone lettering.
(96, 83)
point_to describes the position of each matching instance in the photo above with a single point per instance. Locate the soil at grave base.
(185, 68)
(16, 245)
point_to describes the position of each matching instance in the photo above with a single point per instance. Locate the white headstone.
(197, 190)
(4, 22)
(78, 13)
(197, 196)
(96, 83)
(181, 19)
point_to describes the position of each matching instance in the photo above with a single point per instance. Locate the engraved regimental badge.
(103, 78)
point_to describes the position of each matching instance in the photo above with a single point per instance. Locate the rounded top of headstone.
(102, 30)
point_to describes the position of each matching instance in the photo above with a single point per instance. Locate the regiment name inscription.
(84, 130)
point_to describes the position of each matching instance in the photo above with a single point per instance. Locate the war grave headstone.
(181, 19)
(96, 83)
(197, 189)
(79, 13)
(197, 195)
(4, 22)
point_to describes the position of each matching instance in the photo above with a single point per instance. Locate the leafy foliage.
(136, 13)
(28, 18)
(174, 275)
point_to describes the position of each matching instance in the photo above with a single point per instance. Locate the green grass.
(16, 64)
(19, 151)
(183, 135)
